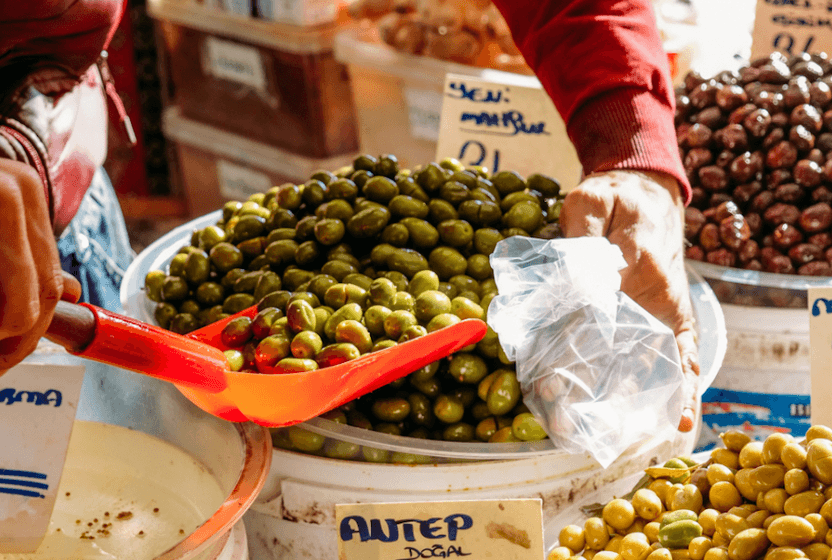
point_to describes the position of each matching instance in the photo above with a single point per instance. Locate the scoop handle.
(103, 336)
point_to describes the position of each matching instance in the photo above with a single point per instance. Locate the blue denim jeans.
(95, 247)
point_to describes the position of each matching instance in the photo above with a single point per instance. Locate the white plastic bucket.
(764, 383)
(293, 517)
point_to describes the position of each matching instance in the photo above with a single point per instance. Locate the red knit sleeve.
(603, 65)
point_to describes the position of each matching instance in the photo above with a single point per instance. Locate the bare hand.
(642, 213)
(31, 279)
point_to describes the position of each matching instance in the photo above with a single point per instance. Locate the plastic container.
(398, 99)
(294, 514)
(150, 475)
(764, 383)
(215, 166)
(271, 82)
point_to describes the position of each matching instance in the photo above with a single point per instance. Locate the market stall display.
(744, 500)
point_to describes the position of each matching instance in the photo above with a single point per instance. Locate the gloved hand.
(31, 279)
(643, 214)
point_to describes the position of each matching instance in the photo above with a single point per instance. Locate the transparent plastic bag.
(598, 371)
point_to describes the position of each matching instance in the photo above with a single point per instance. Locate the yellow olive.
(816, 551)
(826, 511)
(660, 486)
(572, 537)
(771, 519)
(688, 497)
(820, 525)
(660, 554)
(647, 504)
(719, 473)
(724, 495)
(699, 546)
(717, 553)
(818, 431)
(619, 514)
(595, 533)
(766, 477)
(606, 555)
(804, 503)
(651, 530)
(726, 457)
(707, 519)
(634, 547)
(784, 553)
(742, 480)
(758, 518)
(615, 543)
(560, 553)
(790, 530)
(793, 456)
(748, 544)
(751, 455)
(734, 440)
(796, 481)
(819, 459)
(775, 500)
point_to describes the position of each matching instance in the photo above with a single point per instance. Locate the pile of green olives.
(358, 260)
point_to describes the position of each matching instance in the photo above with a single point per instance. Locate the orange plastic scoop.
(197, 365)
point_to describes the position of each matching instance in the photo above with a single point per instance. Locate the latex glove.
(31, 279)
(643, 214)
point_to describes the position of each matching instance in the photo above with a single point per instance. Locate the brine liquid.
(125, 495)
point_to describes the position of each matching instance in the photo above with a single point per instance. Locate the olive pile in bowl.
(756, 145)
(751, 500)
(361, 259)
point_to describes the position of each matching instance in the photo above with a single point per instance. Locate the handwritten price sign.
(792, 27)
(504, 529)
(502, 122)
(820, 345)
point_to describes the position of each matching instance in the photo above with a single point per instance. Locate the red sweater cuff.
(623, 129)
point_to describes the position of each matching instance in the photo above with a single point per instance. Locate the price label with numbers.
(820, 346)
(792, 27)
(505, 122)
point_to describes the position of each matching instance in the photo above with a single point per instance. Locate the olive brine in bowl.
(355, 261)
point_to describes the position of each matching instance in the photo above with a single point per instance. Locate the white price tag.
(234, 62)
(505, 126)
(792, 27)
(504, 529)
(820, 349)
(37, 410)
(238, 183)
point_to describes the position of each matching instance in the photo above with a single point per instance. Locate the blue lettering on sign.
(37, 398)
(816, 306)
(800, 21)
(512, 123)
(428, 528)
(461, 91)
(790, 3)
(436, 551)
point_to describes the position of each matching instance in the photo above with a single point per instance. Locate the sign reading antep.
(475, 529)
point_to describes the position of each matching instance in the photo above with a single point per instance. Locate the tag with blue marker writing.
(37, 410)
(505, 121)
(791, 27)
(474, 529)
(820, 349)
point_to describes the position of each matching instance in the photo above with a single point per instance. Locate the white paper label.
(235, 62)
(503, 126)
(423, 109)
(241, 7)
(238, 182)
(792, 27)
(476, 529)
(37, 410)
(310, 12)
(820, 349)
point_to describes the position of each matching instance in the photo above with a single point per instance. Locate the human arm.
(31, 279)
(602, 63)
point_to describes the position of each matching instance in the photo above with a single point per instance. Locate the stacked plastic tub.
(293, 516)
(252, 102)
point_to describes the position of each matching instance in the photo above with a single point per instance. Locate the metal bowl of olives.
(353, 241)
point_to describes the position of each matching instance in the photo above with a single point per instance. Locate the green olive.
(354, 332)
(503, 435)
(448, 409)
(225, 256)
(508, 182)
(441, 210)
(408, 261)
(421, 233)
(421, 411)
(429, 304)
(479, 267)
(349, 311)
(380, 253)
(456, 233)
(248, 226)
(306, 345)
(422, 281)
(304, 440)
(485, 239)
(460, 431)
(163, 313)
(454, 192)
(467, 368)
(431, 177)
(278, 299)
(382, 291)
(403, 206)
(441, 321)
(428, 387)
(480, 213)
(209, 293)
(374, 319)
(261, 324)
(380, 189)
(174, 289)
(337, 353)
(289, 196)
(545, 185)
(271, 350)
(391, 409)
(525, 215)
(447, 262)
(235, 359)
(503, 393)
(397, 322)
(368, 222)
